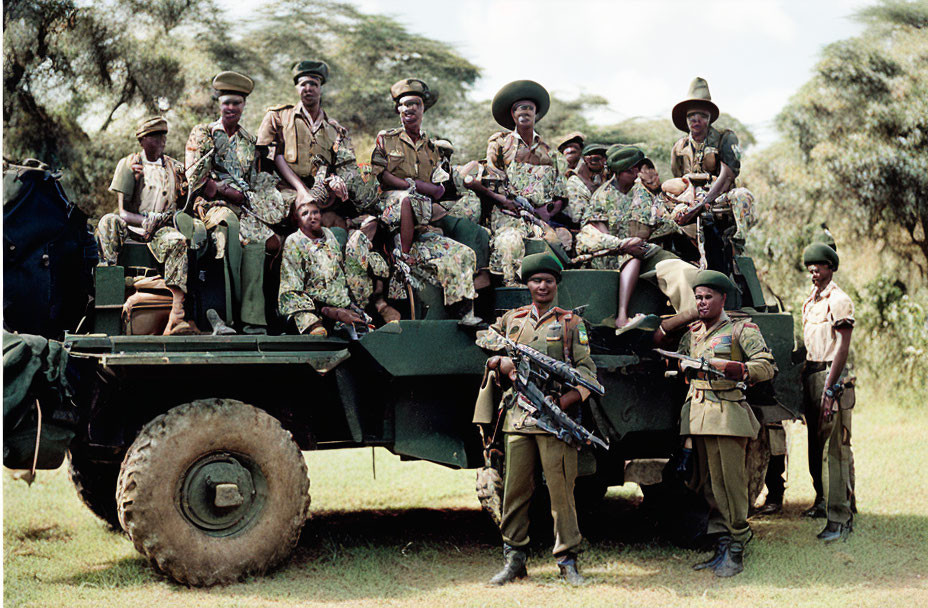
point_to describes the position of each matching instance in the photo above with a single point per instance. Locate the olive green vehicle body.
(409, 387)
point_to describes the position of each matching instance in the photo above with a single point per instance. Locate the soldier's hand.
(829, 407)
(337, 186)
(569, 399)
(346, 316)
(507, 368)
(633, 246)
(210, 188)
(733, 370)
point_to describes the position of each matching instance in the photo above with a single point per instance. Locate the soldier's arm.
(582, 360)
(759, 361)
(495, 152)
(842, 319)
(730, 166)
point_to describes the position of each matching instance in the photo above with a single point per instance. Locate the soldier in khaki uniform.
(544, 327)
(148, 186)
(827, 323)
(407, 165)
(304, 139)
(719, 419)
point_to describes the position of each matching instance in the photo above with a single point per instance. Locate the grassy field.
(415, 536)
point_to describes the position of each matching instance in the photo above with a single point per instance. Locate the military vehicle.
(192, 445)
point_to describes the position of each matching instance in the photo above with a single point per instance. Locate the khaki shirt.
(688, 156)
(504, 148)
(157, 189)
(822, 314)
(717, 406)
(394, 151)
(292, 133)
(547, 335)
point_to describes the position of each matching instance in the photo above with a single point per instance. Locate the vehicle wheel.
(213, 491)
(95, 483)
(757, 456)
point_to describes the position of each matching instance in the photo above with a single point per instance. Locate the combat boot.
(569, 571)
(732, 561)
(834, 531)
(713, 561)
(514, 567)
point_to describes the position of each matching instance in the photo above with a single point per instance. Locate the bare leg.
(407, 225)
(177, 310)
(627, 281)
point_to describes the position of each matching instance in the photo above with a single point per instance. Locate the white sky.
(639, 54)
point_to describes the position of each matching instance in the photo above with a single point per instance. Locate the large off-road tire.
(95, 483)
(756, 459)
(213, 491)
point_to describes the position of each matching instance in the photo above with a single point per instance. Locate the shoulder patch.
(582, 335)
(277, 108)
(751, 325)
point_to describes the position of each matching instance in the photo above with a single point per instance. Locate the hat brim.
(321, 77)
(564, 144)
(679, 112)
(428, 98)
(515, 91)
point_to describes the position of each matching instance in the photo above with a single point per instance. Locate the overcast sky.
(640, 55)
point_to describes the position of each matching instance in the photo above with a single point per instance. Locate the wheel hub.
(222, 493)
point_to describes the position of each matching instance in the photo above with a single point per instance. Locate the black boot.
(569, 572)
(732, 561)
(834, 531)
(817, 510)
(713, 561)
(514, 567)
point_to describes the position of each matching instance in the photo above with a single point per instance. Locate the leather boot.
(713, 561)
(817, 510)
(569, 572)
(732, 561)
(834, 531)
(514, 567)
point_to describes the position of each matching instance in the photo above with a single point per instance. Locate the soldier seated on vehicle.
(313, 285)
(148, 186)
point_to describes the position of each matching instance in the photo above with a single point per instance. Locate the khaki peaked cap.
(233, 83)
(151, 124)
(574, 137)
(413, 86)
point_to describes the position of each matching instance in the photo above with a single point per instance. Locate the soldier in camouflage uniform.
(407, 165)
(562, 335)
(711, 159)
(585, 180)
(233, 194)
(313, 283)
(719, 419)
(304, 138)
(527, 161)
(148, 186)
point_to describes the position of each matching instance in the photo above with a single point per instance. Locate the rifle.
(586, 257)
(536, 372)
(405, 273)
(524, 209)
(697, 365)
(353, 329)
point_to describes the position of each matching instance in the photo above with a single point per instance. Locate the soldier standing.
(148, 185)
(548, 329)
(719, 419)
(828, 393)
(305, 139)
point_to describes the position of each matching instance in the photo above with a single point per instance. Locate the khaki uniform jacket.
(717, 406)
(548, 335)
(687, 156)
(394, 151)
(288, 129)
(132, 184)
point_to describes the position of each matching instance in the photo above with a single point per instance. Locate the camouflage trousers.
(167, 245)
(440, 261)
(741, 201)
(467, 207)
(363, 267)
(392, 207)
(265, 207)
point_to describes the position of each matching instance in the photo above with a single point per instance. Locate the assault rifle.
(535, 375)
(700, 365)
(524, 209)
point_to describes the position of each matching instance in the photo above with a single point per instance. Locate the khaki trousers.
(559, 463)
(725, 484)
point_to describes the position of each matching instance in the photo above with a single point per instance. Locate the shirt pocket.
(394, 161)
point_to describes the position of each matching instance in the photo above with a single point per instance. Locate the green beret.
(714, 280)
(820, 253)
(623, 158)
(233, 83)
(540, 262)
(517, 91)
(574, 137)
(151, 124)
(413, 86)
(316, 68)
(594, 149)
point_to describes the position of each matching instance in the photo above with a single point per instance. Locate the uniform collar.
(423, 137)
(820, 295)
(536, 138)
(533, 314)
(314, 126)
(723, 318)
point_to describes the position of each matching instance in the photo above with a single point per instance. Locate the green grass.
(414, 536)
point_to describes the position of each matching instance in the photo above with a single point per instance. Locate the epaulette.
(498, 135)
(280, 107)
(694, 325)
(751, 325)
(395, 131)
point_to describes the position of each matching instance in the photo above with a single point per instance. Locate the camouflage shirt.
(616, 209)
(311, 277)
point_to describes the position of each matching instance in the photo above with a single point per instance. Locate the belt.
(813, 367)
